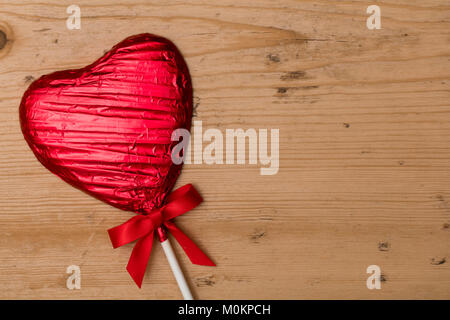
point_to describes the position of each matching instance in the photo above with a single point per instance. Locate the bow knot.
(156, 217)
(142, 228)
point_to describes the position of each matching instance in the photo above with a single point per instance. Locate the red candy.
(106, 128)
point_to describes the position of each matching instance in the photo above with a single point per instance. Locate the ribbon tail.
(139, 258)
(192, 251)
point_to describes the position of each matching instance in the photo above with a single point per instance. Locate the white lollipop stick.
(173, 262)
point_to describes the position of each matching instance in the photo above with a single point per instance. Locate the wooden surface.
(364, 119)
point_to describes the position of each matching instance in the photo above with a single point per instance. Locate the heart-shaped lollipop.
(106, 129)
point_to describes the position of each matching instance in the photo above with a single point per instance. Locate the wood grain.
(364, 119)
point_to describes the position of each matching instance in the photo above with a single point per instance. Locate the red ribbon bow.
(142, 227)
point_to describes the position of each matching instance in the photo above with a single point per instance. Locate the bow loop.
(142, 228)
(133, 229)
(181, 201)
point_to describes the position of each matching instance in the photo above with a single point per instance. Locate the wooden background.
(364, 119)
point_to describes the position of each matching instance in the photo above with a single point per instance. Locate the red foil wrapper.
(106, 128)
